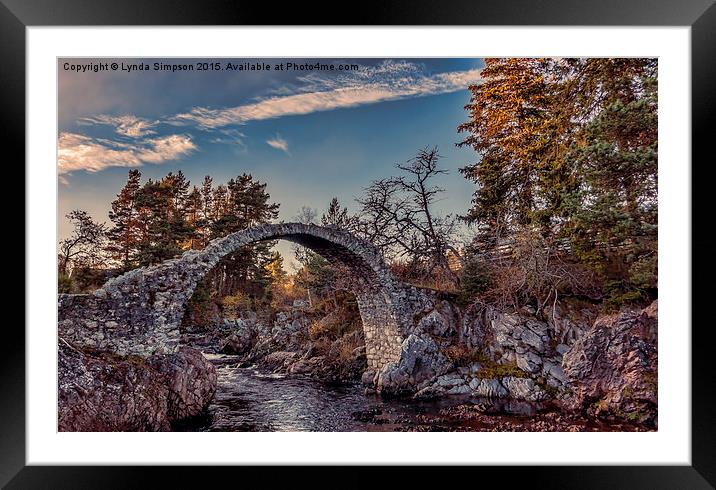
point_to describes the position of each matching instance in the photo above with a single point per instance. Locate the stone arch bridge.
(140, 312)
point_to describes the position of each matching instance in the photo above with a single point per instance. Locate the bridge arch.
(140, 311)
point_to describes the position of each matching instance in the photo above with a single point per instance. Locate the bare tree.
(306, 215)
(84, 247)
(397, 214)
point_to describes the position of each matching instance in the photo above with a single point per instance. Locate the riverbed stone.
(489, 388)
(523, 389)
(528, 361)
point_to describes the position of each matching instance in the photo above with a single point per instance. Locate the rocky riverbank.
(589, 369)
(102, 392)
(598, 366)
(470, 417)
(285, 344)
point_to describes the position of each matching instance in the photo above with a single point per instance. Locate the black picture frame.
(16, 15)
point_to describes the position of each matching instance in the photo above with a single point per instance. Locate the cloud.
(125, 125)
(389, 81)
(80, 152)
(278, 143)
(230, 136)
(314, 92)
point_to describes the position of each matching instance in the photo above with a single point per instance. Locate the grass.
(461, 355)
(493, 370)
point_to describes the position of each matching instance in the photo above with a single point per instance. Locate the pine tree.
(239, 205)
(155, 202)
(614, 210)
(516, 125)
(274, 267)
(194, 217)
(207, 210)
(178, 187)
(219, 208)
(569, 151)
(337, 216)
(124, 236)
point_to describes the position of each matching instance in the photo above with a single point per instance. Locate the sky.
(310, 134)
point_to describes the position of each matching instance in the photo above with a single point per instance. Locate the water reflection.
(250, 400)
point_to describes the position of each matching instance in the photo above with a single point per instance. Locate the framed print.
(427, 237)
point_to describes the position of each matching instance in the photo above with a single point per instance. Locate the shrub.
(233, 305)
(619, 293)
(489, 369)
(475, 279)
(64, 283)
(345, 346)
(643, 273)
(200, 308)
(318, 328)
(537, 272)
(427, 275)
(87, 279)
(461, 354)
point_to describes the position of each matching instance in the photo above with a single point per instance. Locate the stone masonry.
(140, 312)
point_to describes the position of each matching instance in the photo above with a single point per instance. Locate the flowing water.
(248, 399)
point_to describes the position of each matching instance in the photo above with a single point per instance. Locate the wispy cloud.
(230, 136)
(390, 81)
(125, 125)
(80, 152)
(278, 143)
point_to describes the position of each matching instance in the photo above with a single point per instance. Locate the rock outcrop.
(613, 367)
(519, 339)
(106, 392)
(604, 366)
(284, 344)
(421, 362)
(241, 338)
(475, 384)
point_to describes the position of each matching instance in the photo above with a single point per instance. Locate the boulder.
(450, 380)
(279, 359)
(507, 337)
(474, 325)
(554, 374)
(569, 321)
(393, 380)
(523, 389)
(439, 322)
(430, 392)
(459, 390)
(420, 362)
(529, 362)
(306, 366)
(489, 388)
(105, 392)
(191, 380)
(613, 367)
(369, 377)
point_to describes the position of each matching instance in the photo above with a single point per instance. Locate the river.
(250, 400)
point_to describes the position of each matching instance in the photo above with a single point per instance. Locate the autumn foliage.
(567, 165)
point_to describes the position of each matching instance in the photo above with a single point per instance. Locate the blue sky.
(309, 134)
